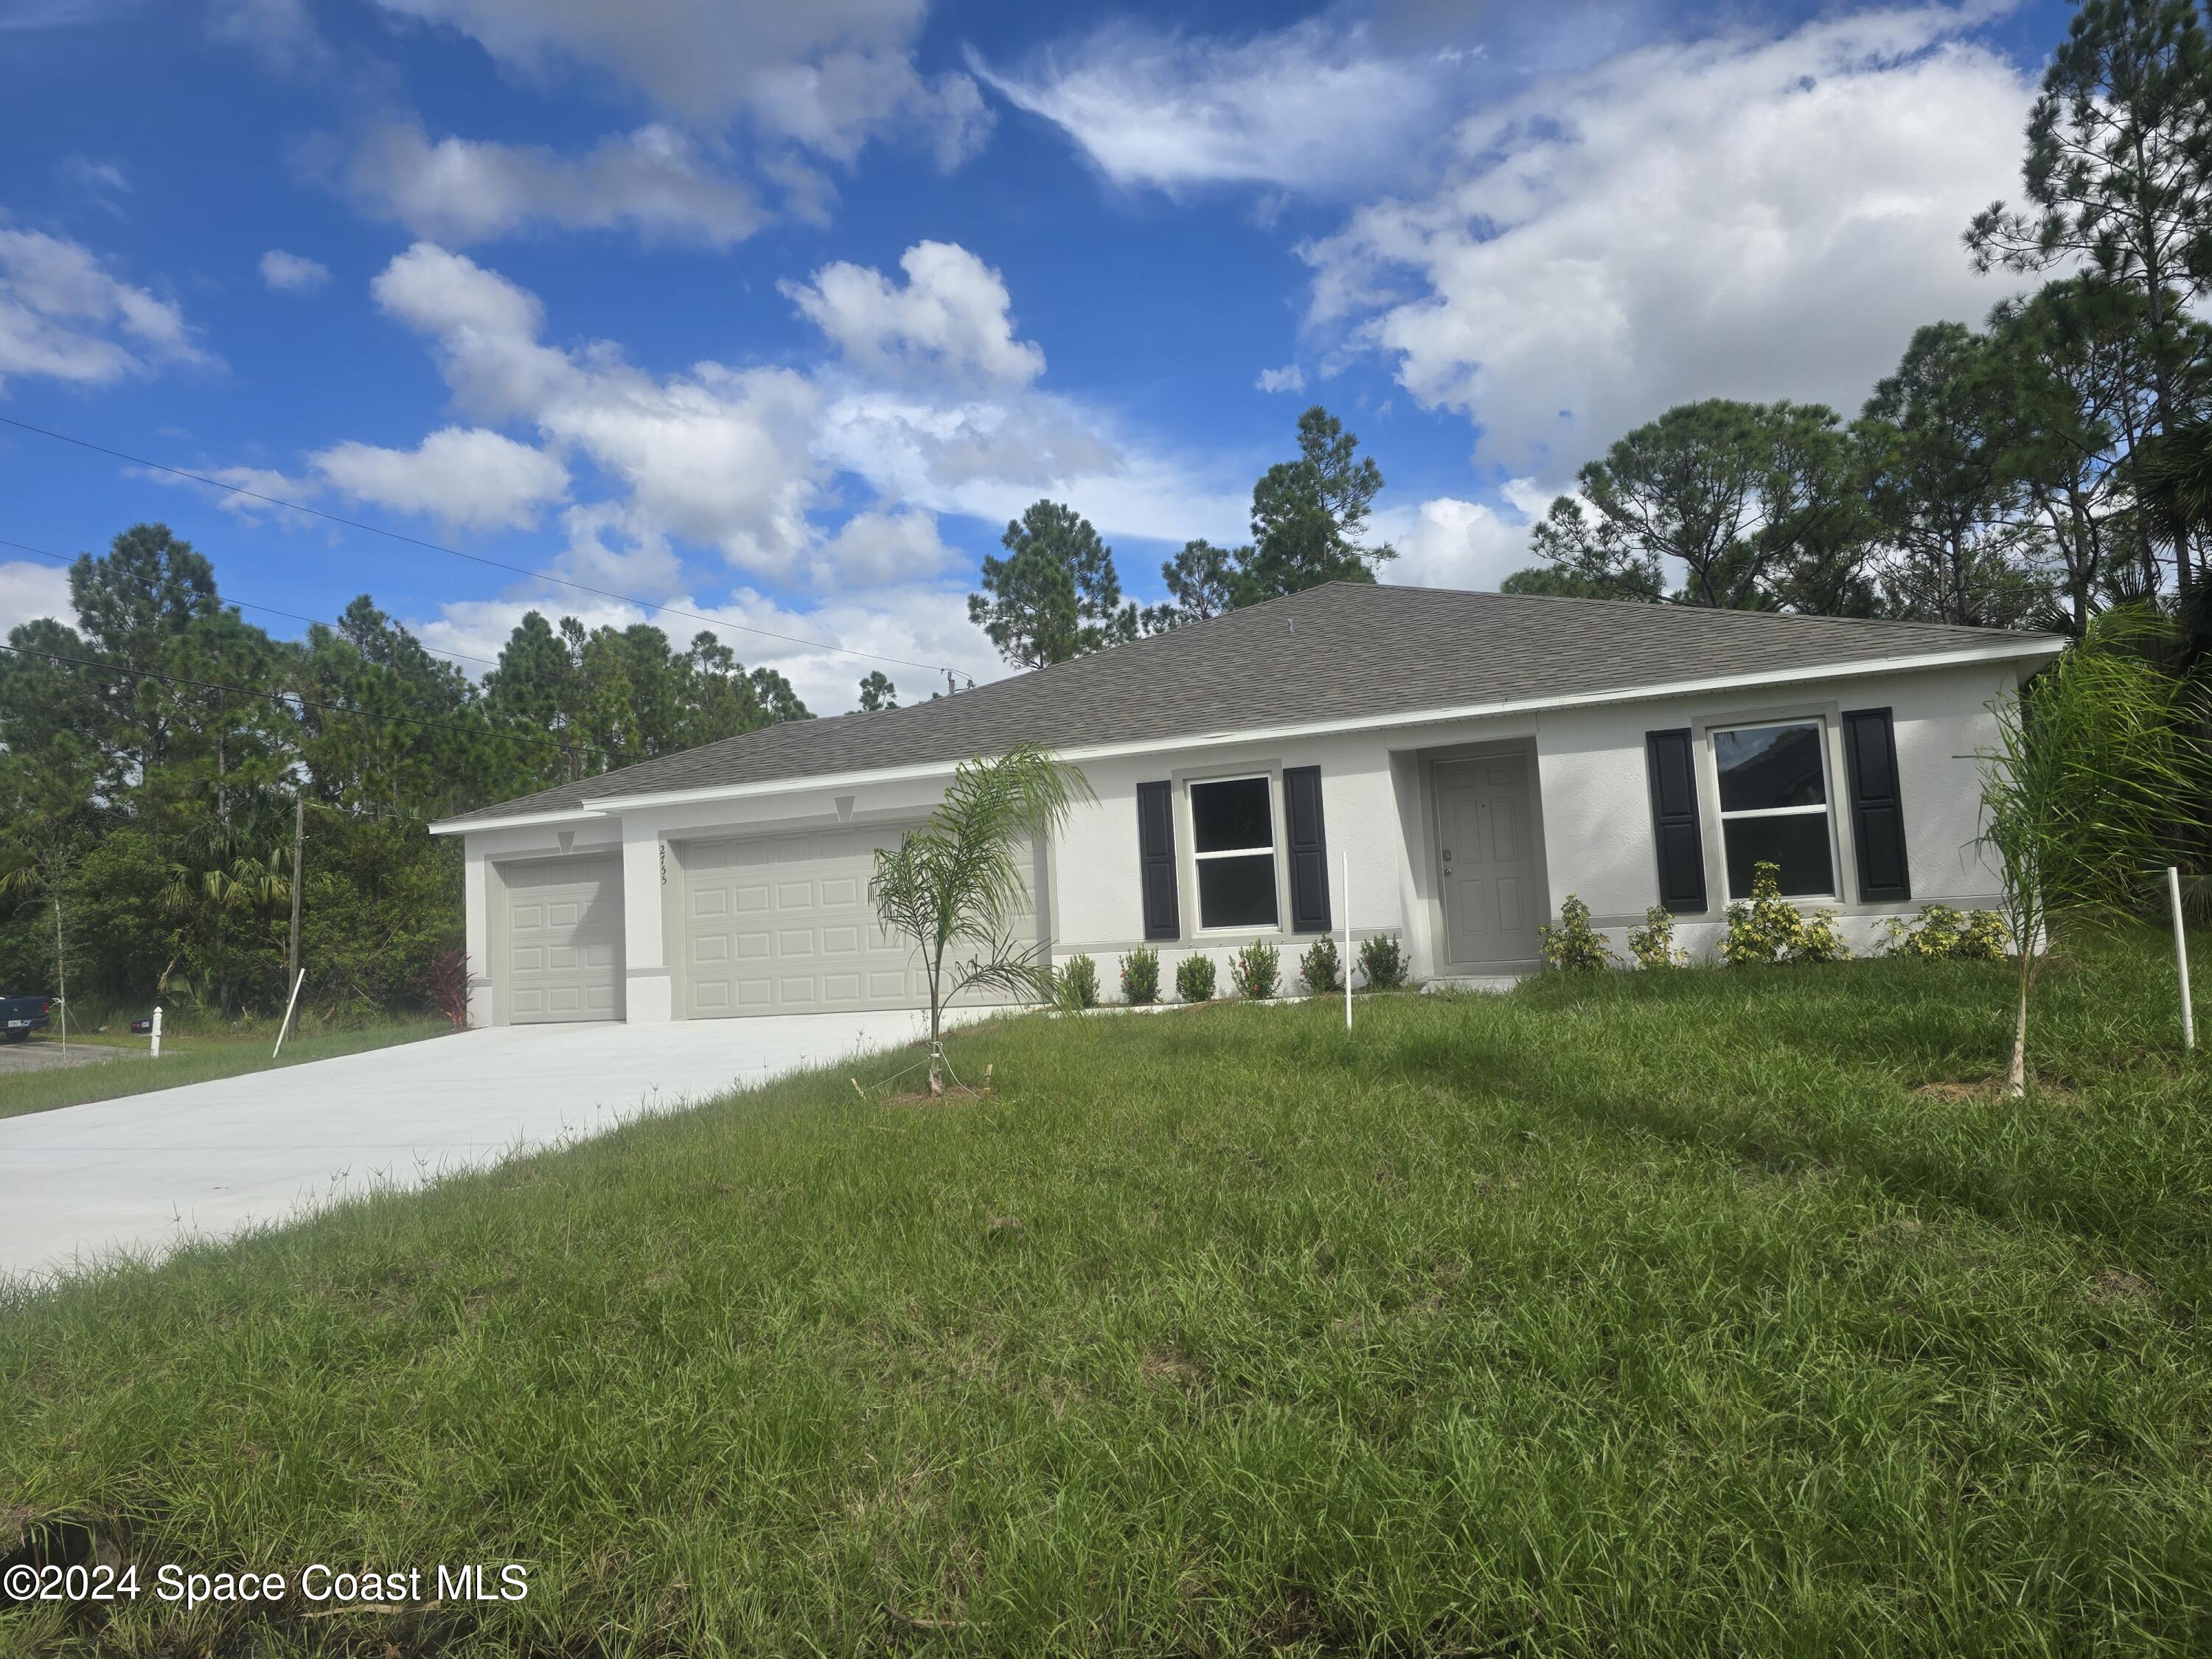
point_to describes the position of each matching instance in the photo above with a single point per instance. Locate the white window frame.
(1826, 809)
(1274, 850)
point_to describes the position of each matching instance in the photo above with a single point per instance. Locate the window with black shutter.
(1155, 859)
(1671, 762)
(1307, 842)
(1877, 805)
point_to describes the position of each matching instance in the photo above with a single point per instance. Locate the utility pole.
(299, 838)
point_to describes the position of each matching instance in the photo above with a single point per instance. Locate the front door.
(1487, 859)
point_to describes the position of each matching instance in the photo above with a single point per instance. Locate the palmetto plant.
(2099, 767)
(955, 887)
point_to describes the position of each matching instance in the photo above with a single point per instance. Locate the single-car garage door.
(564, 949)
(782, 924)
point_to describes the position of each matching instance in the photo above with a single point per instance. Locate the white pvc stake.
(1347, 939)
(291, 1003)
(157, 1031)
(2181, 958)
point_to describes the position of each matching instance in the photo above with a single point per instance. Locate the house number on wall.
(664, 864)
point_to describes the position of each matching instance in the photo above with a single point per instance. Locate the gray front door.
(1488, 877)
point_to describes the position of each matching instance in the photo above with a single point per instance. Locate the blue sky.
(776, 313)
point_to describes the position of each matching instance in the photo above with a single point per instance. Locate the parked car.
(20, 1015)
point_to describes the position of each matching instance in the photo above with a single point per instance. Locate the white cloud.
(828, 75)
(1314, 108)
(1738, 216)
(29, 590)
(655, 181)
(65, 317)
(467, 477)
(716, 455)
(280, 32)
(951, 321)
(1448, 542)
(292, 273)
(882, 546)
(1289, 378)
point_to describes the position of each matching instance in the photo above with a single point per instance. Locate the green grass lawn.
(1664, 1313)
(194, 1059)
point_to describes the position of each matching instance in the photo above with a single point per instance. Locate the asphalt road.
(43, 1054)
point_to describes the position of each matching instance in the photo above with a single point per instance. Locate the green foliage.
(1945, 934)
(1766, 929)
(1078, 983)
(1256, 970)
(1322, 968)
(1140, 976)
(877, 692)
(1194, 978)
(1056, 595)
(1573, 946)
(1653, 943)
(954, 886)
(1819, 940)
(1381, 963)
(1758, 503)
(1310, 522)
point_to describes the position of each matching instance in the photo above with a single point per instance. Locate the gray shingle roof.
(1339, 652)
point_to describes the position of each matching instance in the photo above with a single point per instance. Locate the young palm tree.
(955, 885)
(2099, 767)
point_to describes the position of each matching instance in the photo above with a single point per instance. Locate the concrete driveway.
(144, 1173)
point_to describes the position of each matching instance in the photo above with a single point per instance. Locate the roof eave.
(2021, 649)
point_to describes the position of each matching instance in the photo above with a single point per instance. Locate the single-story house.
(1445, 766)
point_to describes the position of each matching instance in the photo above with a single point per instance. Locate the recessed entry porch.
(1477, 849)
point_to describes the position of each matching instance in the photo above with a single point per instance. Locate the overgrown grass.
(1654, 1314)
(191, 1058)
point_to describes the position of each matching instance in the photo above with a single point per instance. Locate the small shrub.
(1818, 939)
(1321, 968)
(1766, 929)
(1194, 978)
(1078, 983)
(1380, 963)
(445, 987)
(1944, 934)
(1140, 976)
(1653, 943)
(1574, 946)
(1256, 969)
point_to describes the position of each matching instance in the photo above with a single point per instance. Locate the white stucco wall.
(1593, 803)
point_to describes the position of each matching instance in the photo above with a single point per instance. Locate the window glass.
(1767, 767)
(1232, 816)
(1798, 841)
(1236, 892)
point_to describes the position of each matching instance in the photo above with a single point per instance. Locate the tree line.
(152, 754)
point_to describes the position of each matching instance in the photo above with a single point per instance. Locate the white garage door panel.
(564, 924)
(783, 924)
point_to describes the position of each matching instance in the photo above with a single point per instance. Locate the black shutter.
(1673, 765)
(1308, 845)
(1877, 809)
(1155, 859)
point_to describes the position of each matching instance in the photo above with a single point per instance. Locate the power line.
(474, 558)
(265, 610)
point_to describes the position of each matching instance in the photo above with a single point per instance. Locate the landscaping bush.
(445, 987)
(1078, 983)
(1321, 968)
(1653, 943)
(1765, 928)
(1194, 979)
(1944, 934)
(1380, 963)
(1574, 946)
(1256, 970)
(1140, 976)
